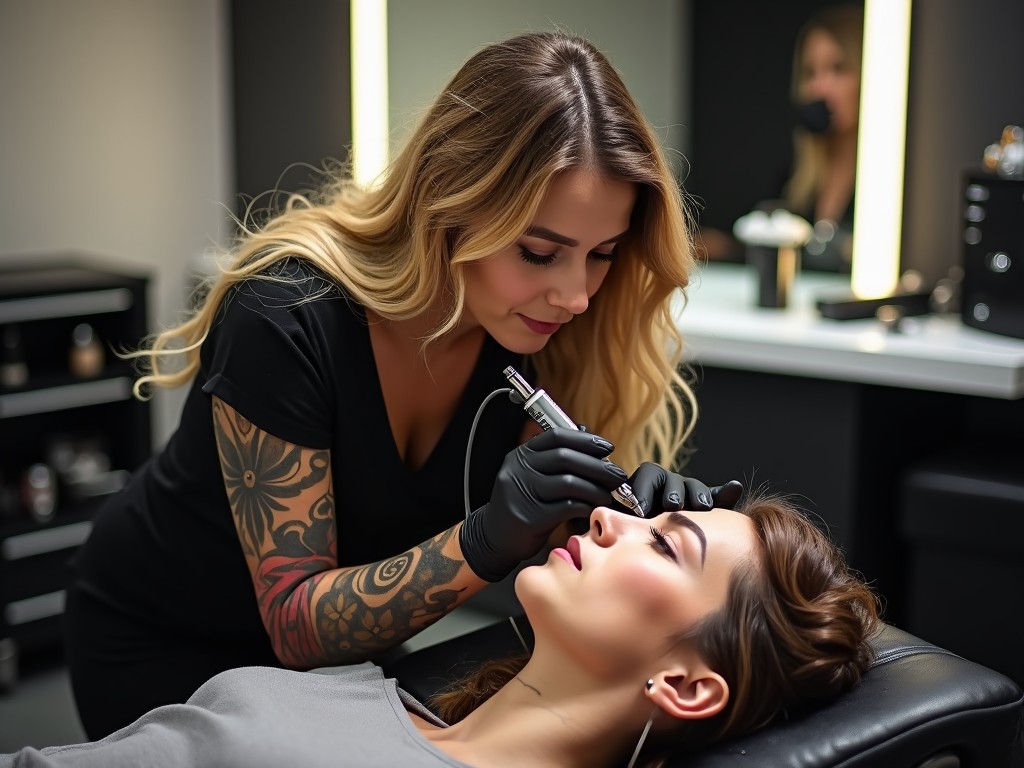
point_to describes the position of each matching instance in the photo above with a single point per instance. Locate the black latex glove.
(554, 477)
(662, 491)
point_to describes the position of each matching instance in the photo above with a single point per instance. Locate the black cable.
(469, 443)
(515, 398)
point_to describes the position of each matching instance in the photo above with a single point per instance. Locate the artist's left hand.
(660, 490)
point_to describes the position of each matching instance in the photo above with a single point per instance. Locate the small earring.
(650, 684)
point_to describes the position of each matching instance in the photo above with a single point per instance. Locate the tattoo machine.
(546, 412)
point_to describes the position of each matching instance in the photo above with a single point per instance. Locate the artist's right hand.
(550, 479)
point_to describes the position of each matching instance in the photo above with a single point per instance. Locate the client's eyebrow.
(547, 234)
(678, 518)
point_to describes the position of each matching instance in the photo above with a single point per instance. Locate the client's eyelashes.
(660, 542)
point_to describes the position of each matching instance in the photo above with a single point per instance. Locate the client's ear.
(690, 695)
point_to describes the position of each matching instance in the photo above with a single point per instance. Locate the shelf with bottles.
(49, 477)
(72, 431)
(56, 351)
(33, 573)
(65, 319)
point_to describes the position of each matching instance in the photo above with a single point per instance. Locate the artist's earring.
(647, 729)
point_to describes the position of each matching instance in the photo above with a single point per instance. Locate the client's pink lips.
(540, 327)
(571, 553)
(572, 546)
(563, 554)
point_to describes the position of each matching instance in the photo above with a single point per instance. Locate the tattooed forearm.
(378, 606)
(315, 613)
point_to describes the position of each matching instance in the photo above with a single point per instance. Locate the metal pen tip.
(624, 495)
(519, 384)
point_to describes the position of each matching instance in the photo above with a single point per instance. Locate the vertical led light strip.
(881, 145)
(369, 45)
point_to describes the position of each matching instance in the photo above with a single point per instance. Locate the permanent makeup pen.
(546, 412)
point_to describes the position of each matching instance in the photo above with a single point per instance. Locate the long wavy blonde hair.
(468, 184)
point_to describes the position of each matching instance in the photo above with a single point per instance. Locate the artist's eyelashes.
(547, 259)
(661, 543)
(537, 259)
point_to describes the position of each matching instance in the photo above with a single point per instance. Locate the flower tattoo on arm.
(316, 613)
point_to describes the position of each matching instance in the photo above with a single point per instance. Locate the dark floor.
(38, 709)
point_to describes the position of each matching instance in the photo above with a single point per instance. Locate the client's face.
(626, 587)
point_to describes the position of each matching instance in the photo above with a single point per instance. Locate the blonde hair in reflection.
(467, 184)
(845, 24)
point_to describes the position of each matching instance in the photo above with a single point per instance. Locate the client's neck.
(544, 717)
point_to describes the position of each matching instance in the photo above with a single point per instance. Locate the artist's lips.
(537, 326)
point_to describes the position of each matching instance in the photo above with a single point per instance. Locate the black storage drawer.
(962, 521)
(71, 429)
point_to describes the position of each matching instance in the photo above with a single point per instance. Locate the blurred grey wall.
(114, 125)
(647, 41)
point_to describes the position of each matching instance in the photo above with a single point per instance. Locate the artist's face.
(827, 74)
(621, 591)
(526, 292)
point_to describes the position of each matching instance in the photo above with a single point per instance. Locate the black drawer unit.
(70, 430)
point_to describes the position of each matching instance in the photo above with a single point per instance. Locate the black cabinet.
(70, 431)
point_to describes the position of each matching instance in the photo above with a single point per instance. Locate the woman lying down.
(670, 632)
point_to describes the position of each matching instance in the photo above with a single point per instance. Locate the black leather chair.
(919, 706)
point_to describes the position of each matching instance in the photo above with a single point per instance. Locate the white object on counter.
(722, 326)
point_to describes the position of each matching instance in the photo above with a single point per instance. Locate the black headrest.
(917, 702)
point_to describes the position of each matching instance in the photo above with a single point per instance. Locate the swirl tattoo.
(377, 606)
(314, 612)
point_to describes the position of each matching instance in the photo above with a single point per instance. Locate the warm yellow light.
(369, 45)
(881, 142)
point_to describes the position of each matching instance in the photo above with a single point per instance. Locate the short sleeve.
(265, 357)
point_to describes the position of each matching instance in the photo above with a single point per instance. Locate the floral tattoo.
(284, 511)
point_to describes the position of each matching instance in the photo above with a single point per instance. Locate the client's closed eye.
(661, 543)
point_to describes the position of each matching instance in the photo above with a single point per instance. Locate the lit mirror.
(721, 92)
(775, 120)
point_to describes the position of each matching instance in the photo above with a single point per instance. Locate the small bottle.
(86, 357)
(39, 492)
(13, 369)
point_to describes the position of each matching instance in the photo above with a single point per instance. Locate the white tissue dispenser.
(773, 242)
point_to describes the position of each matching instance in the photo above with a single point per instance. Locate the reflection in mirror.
(775, 120)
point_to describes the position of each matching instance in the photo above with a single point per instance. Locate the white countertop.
(723, 326)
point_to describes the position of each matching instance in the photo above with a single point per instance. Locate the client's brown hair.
(794, 632)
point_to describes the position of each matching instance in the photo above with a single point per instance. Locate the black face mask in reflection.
(814, 116)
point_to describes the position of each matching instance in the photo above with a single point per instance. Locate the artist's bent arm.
(316, 613)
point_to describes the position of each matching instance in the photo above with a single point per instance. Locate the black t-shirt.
(294, 358)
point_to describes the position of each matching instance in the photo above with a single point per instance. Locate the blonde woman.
(826, 91)
(309, 509)
(818, 183)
